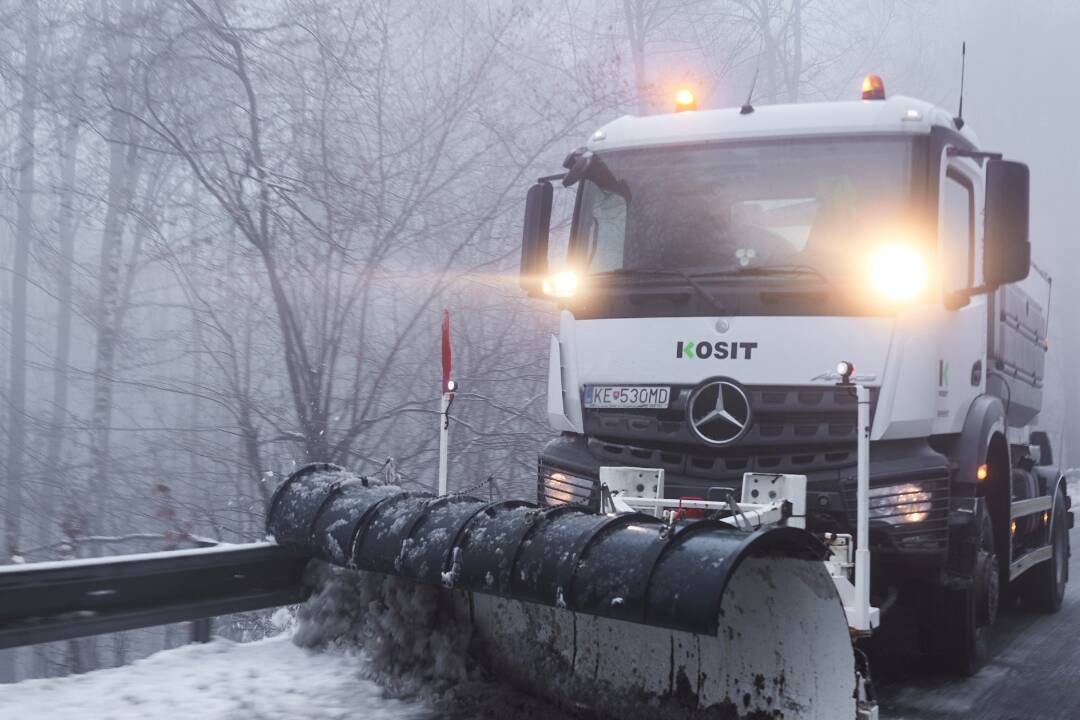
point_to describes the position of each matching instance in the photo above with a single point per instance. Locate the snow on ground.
(222, 680)
(362, 648)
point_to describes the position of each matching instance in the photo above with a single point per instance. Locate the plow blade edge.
(622, 614)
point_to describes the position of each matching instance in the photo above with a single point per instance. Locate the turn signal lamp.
(873, 88)
(982, 472)
(561, 285)
(898, 272)
(685, 101)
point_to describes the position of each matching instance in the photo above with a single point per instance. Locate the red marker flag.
(445, 350)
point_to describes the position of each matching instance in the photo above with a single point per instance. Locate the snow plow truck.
(791, 339)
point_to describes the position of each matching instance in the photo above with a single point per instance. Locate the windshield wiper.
(643, 274)
(767, 270)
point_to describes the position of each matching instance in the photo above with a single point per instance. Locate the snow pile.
(265, 680)
(413, 643)
(364, 647)
(414, 646)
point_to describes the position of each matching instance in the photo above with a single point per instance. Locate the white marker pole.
(862, 500)
(448, 388)
(444, 427)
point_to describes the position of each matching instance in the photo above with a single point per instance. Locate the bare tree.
(24, 229)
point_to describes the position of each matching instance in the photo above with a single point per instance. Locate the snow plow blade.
(622, 614)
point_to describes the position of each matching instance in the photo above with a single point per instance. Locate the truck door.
(962, 342)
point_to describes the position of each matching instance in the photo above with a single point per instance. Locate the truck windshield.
(729, 207)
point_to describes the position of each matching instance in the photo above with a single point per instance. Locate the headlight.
(558, 487)
(561, 285)
(898, 272)
(897, 504)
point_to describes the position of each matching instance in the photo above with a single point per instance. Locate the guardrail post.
(201, 630)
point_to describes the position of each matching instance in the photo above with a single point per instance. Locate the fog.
(228, 228)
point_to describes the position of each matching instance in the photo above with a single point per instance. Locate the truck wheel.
(1042, 588)
(964, 616)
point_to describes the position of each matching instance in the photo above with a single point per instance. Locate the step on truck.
(720, 263)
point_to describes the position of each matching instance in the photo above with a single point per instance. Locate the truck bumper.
(569, 469)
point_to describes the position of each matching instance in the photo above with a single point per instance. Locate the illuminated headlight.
(897, 504)
(561, 285)
(558, 487)
(575, 481)
(898, 272)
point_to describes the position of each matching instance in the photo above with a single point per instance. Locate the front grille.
(727, 467)
(801, 416)
(928, 534)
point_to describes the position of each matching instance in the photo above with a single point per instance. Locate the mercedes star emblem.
(719, 412)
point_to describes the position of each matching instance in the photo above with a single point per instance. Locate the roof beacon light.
(685, 101)
(873, 88)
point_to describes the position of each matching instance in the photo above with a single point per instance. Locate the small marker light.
(873, 88)
(845, 370)
(1012, 527)
(451, 386)
(685, 100)
(1046, 518)
(982, 472)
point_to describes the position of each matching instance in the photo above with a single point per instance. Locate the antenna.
(747, 108)
(958, 121)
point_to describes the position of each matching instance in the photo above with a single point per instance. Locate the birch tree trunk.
(66, 225)
(637, 32)
(118, 195)
(24, 228)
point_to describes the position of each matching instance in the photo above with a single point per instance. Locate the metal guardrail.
(45, 602)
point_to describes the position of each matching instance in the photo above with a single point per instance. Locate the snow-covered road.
(266, 680)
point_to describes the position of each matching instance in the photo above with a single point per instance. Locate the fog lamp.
(899, 504)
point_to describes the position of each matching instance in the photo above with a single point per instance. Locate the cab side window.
(958, 232)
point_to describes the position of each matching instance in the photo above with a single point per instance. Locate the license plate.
(626, 396)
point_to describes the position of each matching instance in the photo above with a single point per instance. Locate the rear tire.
(964, 616)
(1042, 588)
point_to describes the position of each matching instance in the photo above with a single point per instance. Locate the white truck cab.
(722, 261)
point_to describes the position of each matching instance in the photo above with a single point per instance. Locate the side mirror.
(534, 237)
(1006, 248)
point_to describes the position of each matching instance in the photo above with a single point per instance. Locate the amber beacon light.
(873, 88)
(685, 100)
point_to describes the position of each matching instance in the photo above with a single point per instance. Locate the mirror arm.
(954, 151)
(957, 299)
(960, 298)
(551, 178)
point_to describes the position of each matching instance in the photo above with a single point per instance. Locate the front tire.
(1042, 588)
(965, 616)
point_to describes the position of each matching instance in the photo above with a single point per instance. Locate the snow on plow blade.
(621, 614)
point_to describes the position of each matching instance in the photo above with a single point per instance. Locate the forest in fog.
(229, 228)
